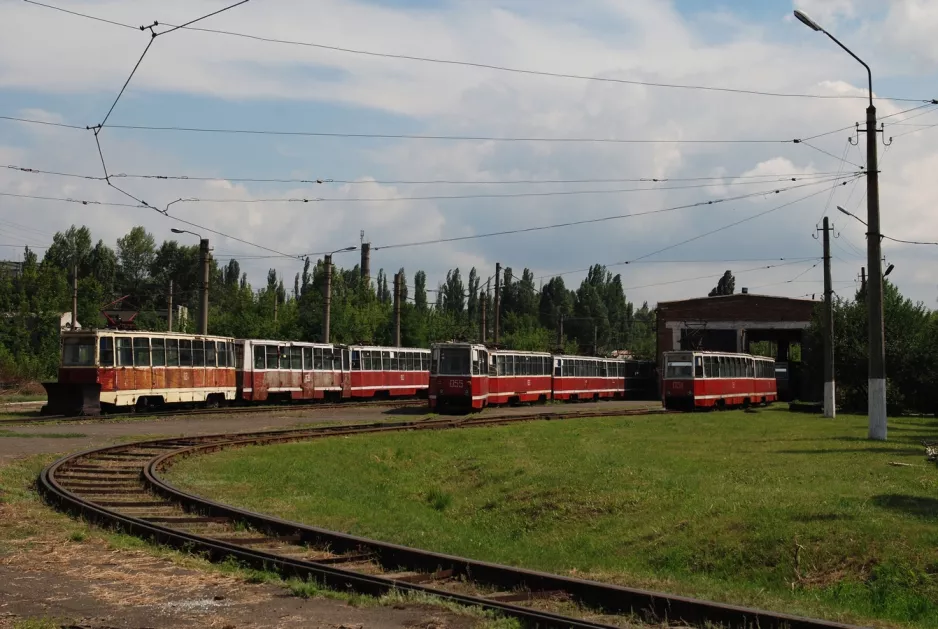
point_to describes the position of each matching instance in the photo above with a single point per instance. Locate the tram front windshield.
(454, 362)
(679, 367)
(78, 352)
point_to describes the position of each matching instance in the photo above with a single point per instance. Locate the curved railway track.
(121, 487)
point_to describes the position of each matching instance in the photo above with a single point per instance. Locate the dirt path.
(72, 437)
(90, 585)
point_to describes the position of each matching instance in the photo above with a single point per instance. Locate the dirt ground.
(56, 570)
(91, 586)
(98, 433)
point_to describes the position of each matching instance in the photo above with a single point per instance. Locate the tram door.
(346, 374)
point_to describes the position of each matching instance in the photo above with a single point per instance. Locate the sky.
(733, 192)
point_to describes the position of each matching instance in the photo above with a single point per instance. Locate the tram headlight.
(468, 391)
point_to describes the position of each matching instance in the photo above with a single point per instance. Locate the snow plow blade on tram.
(72, 399)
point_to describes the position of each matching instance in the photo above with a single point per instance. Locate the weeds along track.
(120, 487)
(223, 410)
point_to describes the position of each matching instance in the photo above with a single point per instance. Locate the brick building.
(730, 323)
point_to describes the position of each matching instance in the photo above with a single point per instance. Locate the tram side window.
(698, 367)
(159, 352)
(185, 353)
(259, 357)
(106, 347)
(172, 352)
(210, 359)
(272, 355)
(198, 353)
(317, 358)
(221, 351)
(307, 358)
(409, 358)
(125, 352)
(296, 358)
(337, 359)
(356, 360)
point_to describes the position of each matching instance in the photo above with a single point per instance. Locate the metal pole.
(169, 309)
(276, 305)
(327, 298)
(830, 406)
(397, 309)
(863, 279)
(203, 313)
(877, 383)
(595, 347)
(366, 263)
(498, 300)
(74, 297)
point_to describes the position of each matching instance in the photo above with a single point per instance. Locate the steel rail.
(65, 492)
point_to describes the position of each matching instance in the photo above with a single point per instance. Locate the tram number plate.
(677, 385)
(456, 384)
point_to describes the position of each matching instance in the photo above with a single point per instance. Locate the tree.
(135, 254)
(472, 301)
(726, 285)
(73, 247)
(420, 291)
(454, 295)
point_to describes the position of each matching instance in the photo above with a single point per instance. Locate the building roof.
(738, 307)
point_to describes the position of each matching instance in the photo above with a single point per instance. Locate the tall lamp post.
(327, 292)
(203, 265)
(877, 363)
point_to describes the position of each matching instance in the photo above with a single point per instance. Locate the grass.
(774, 509)
(22, 397)
(38, 435)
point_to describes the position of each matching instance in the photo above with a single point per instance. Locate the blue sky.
(63, 68)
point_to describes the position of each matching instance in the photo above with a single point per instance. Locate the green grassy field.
(774, 509)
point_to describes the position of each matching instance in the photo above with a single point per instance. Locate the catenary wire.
(568, 223)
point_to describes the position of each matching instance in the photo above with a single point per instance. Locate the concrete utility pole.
(482, 330)
(169, 308)
(276, 305)
(203, 309)
(830, 400)
(498, 300)
(877, 349)
(74, 296)
(397, 309)
(366, 263)
(327, 297)
(560, 332)
(863, 279)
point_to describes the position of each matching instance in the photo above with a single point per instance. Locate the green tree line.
(911, 334)
(596, 316)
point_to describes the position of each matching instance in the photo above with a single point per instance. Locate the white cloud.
(78, 58)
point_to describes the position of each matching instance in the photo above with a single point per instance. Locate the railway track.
(121, 487)
(225, 410)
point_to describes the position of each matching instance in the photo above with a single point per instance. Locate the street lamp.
(877, 362)
(203, 264)
(851, 214)
(327, 292)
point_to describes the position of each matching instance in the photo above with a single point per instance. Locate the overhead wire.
(521, 230)
(486, 66)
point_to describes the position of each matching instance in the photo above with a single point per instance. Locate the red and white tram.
(516, 377)
(389, 371)
(458, 375)
(284, 370)
(112, 369)
(717, 380)
(473, 376)
(584, 378)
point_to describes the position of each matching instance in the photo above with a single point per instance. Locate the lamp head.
(889, 270)
(176, 231)
(804, 19)
(844, 211)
